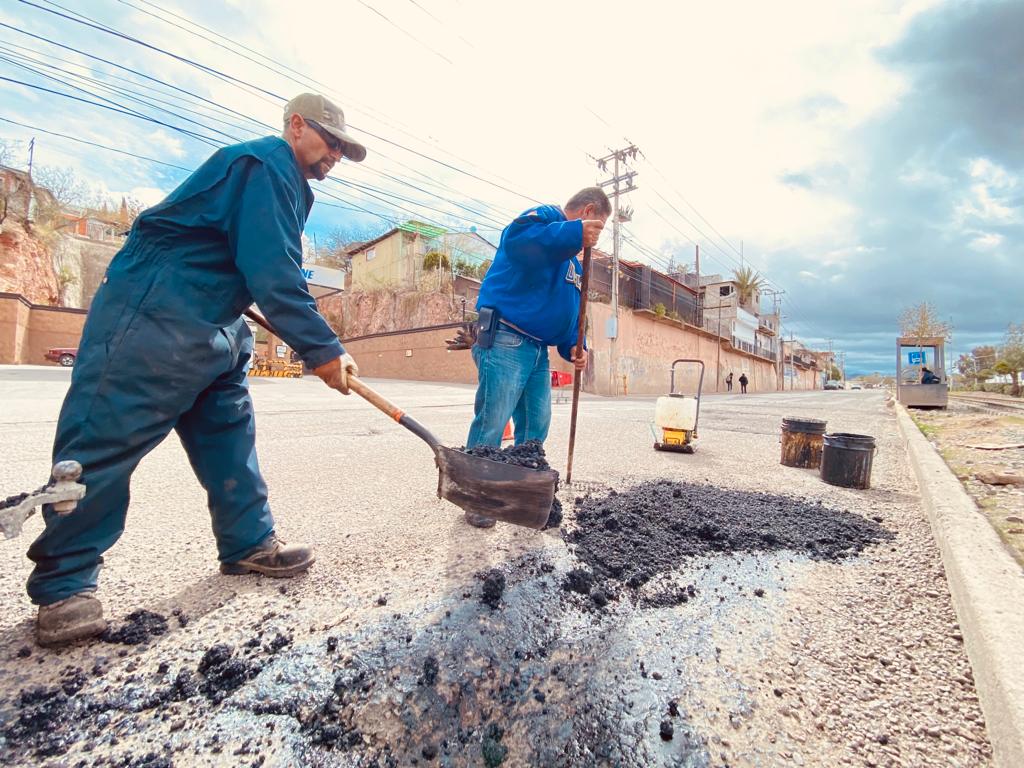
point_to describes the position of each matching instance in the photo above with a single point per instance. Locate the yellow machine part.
(277, 369)
(675, 436)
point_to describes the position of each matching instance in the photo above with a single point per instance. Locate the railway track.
(990, 404)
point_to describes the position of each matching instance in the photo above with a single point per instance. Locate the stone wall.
(26, 266)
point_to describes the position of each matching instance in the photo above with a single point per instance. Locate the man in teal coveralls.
(165, 347)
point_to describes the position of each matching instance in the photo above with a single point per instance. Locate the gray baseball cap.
(313, 106)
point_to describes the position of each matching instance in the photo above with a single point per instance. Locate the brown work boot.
(274, 558)
(479, 521)
(74, 618)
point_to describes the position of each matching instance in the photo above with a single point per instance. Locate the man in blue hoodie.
(165, 348)
(530, 300)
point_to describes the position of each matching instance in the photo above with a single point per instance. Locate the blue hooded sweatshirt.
(535, 279)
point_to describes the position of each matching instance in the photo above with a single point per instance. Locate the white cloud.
(161, 143)
(987, 241)
(148, 195)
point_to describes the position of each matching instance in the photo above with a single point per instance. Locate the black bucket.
(806, 426)
(801, 442)
(846, 460)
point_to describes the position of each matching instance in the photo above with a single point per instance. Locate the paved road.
(786, 677)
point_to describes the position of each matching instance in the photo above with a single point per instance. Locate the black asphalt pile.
(49, 720)
(332, 724)
(530, 455)
(137, 628)
(628, 538)
(494, 587)
(224, 672)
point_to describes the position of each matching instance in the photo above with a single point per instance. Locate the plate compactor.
(676, 414)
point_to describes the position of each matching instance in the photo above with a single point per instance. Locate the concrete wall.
(646, 347)
(28, 330)
(418, 355)
(14, 314)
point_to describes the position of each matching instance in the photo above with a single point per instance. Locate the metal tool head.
(512, 494)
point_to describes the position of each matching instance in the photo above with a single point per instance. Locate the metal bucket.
(846, 460)
(801, 442)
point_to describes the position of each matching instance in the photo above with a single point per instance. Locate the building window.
(725, 290)
(370, 253)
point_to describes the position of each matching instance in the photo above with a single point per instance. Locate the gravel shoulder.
(993, 478)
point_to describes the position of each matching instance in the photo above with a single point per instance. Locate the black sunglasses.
(333, 142)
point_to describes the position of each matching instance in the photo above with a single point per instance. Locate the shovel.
(512, 494)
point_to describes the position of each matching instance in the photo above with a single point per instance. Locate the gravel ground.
(952, 432)
(404, 644)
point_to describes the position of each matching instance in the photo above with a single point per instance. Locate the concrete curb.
(988, 594)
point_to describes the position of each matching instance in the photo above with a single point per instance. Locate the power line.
(208, 69)
(38, 129)
(238, 82)
(405, 32)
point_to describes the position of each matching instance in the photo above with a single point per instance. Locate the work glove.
(336, 372)
(464, 339)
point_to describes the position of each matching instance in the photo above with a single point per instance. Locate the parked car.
(833, 384)
(856, 386)
(63, 355)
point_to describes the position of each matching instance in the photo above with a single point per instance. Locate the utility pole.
(696, 262)
(780, 362)
(718, 366)
(621, 183)
(31, 155)
(792, 369)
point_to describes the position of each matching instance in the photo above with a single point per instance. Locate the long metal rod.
(578, 377)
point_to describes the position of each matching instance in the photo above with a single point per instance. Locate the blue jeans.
(514, 383)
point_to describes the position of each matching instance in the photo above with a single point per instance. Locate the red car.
(63, 355)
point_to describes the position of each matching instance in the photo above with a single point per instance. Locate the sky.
(863, 156)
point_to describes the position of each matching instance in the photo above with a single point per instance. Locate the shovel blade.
(512, 494)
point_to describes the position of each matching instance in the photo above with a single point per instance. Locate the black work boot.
(479, 521)
(274, 558)
(66, 621)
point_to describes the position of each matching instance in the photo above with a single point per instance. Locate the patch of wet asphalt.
(574, 656)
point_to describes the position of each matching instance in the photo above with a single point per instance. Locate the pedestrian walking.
(728, 382)
(743, 383)
(529, 300)
(165, 348)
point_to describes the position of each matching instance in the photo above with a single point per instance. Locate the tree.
(66, 191)
(1011, 355)
(340, 239)
(834, 373)
(922, 321)
(748, 282)
(65, 279)
(8, 149)
(437, 260)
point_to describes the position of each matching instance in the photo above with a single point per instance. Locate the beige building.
(415, 255)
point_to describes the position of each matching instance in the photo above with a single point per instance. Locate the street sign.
(915, 358)
(325, 277)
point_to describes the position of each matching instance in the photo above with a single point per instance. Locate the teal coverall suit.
(164, 347)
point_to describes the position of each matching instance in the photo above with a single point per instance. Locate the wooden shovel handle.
(375, 398)
(578, 378)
